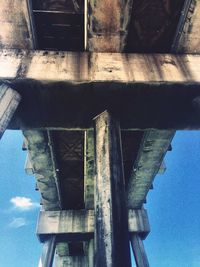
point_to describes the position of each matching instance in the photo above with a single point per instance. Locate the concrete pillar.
(71, 261)
(88, 247)
(139, 251)
(91, 253)
(111, 223)
(48, 252)
(89, 171)
(9, 101)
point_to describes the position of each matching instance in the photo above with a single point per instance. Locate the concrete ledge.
(78, 225)
(67, 90)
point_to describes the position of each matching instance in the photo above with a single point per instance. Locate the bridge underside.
(143, 91)
(88, 117)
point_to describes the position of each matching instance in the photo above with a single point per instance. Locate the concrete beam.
(42, 166)
(111, 221)
(55, 168)
(108, 23)
(162, 91)
(149, 162)
(80, 224)
(150, 156)
(9, 101)
(79, 68)
(187, 37)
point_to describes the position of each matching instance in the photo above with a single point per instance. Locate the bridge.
(98, 89)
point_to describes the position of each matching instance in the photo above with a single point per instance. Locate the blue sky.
(19, 205)
(173, 207)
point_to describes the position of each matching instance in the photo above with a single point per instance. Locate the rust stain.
(107, 14)
(108, 25)
(105, 43)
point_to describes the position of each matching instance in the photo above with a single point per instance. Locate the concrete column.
(111, 223)
(71, 261)
(91, 253)
(48, 252)
(88, 247)
(139, 251)
(89, 171)
(9, 101)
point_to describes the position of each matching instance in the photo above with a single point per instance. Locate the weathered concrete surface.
(89, 251)
(80, 68)
(64, 259)
(150, 156)
(150, 161)
(162, 91)
(40, 157)
(139, 251)
(9, 101)
(67, 148)
(75, 261)
(62, 249)
(89, 170)
(108, 23)
(15, 30)
(80, 223)
(111, 220)
(189, 40)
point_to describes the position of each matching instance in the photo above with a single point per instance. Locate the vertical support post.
(71, 261)
(89, 171)
(48, 252)
(91, 253)
(9, 101)
(88, 247)
(139, 251)
(111, 231)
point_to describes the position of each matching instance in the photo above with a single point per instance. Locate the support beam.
(9, 101)
(40, 157)
(55, 167)
(90, 253)
(80, 68)
(187, 37)
(111, 226)
(89, 171)
(48, 252)
(88, 248)
(152, 150)
(79, 224)
(162, 91)
(139, 251)
(108, 24)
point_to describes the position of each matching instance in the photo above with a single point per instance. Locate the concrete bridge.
(98, 89)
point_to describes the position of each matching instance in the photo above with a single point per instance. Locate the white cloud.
(23, 203)
(17, 222)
